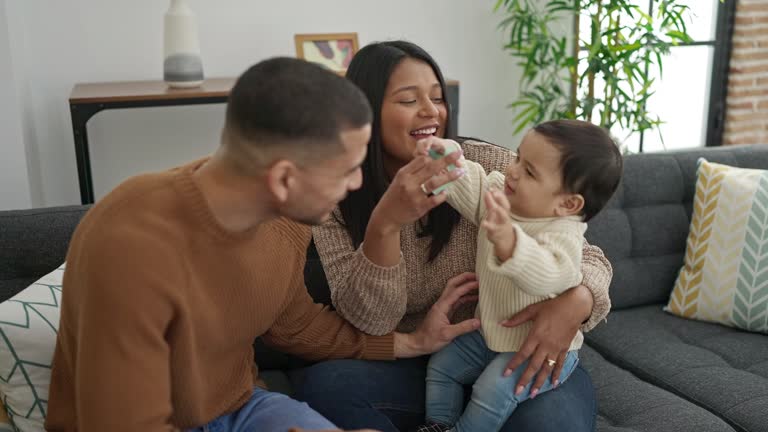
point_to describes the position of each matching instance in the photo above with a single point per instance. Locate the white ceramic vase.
(182, 65)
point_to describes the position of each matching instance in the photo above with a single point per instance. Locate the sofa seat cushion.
(627, 403)
(721, 369)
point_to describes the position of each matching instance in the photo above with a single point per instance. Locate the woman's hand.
(409, 197)
(555, 323)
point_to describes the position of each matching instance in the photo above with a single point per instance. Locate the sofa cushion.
(627, 403)
(29, 323)
(725, 275)
(643, 228)
(721, 369)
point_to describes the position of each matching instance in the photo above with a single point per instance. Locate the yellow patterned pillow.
(724, 278)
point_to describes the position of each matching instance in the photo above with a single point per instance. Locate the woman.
(391, 221)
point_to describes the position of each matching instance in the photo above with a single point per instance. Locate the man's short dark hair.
(590, 160)
(285, 100)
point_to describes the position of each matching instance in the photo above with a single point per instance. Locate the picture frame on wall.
(331, 50)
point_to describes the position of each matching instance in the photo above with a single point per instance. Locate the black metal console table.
(89, 98)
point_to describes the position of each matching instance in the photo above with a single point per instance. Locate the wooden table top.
(146, 90)
(128, 91)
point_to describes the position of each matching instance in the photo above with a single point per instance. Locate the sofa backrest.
(33, 243)
(643, 229)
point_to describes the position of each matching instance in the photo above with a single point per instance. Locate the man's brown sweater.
(161, 306)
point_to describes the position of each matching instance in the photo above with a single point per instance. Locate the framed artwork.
(332, 50)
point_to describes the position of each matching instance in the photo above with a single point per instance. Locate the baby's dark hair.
(590, 160)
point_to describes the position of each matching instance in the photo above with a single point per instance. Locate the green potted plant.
(590, 59)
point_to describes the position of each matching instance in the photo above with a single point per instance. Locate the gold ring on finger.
(551, 362)
(424, 189)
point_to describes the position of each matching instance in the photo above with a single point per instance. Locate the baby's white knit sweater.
(546, 260)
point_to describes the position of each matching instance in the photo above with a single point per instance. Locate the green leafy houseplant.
(608, 76)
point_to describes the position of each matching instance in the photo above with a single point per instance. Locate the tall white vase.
(182, 65)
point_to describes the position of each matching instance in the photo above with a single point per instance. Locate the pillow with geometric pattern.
(29, 322)
(724, 278)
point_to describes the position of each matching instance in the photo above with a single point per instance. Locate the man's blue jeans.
(389, 396)
(268, 412)
(466, 361)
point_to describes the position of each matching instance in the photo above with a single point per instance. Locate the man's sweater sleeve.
(122, 359)
(312, 330)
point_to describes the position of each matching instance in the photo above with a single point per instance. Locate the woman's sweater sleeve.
(596, 276)
(371, 297)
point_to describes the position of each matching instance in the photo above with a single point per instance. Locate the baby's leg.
(493, 395)
(456, 365)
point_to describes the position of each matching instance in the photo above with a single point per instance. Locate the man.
(172, 275)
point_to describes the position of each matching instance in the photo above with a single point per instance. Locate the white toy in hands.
(439, 153)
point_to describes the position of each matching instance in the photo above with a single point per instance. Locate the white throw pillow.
(29, 322)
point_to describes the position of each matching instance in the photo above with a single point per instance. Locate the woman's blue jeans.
(390, 396)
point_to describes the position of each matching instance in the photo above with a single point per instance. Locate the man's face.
(321, 186)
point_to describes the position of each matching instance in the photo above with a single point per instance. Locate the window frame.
(718, 89)
(718, 93)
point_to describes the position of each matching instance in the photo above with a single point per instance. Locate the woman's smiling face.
(413, 108)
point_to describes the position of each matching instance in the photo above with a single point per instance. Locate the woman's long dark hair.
(371, 69)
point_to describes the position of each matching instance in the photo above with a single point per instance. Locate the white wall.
(14, 181)
(61, 43)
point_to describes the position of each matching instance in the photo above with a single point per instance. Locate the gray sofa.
(652, 371)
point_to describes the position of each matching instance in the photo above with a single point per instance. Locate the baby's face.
(534, 180)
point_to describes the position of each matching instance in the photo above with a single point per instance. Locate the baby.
(531, 223)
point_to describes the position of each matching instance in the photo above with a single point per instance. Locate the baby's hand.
(499, 225)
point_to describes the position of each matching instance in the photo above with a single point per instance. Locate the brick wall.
(747, 104)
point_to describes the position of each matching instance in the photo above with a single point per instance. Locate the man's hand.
(499, 225)
(436, 331)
